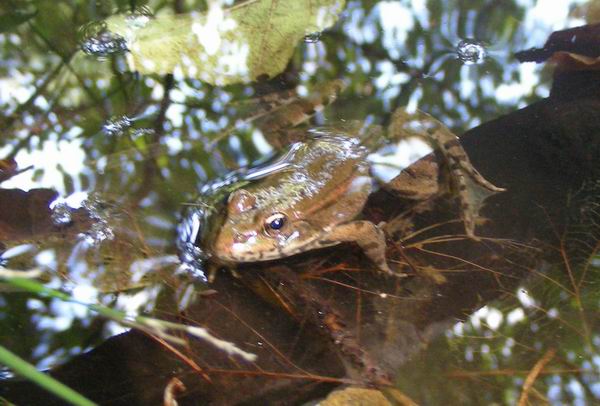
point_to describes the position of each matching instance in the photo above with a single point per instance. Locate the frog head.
(254, 233)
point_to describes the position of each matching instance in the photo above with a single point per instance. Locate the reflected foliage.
(489, 358)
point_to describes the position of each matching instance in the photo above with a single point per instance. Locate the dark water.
(117, 154)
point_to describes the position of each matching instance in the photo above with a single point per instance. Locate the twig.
(183, 358)
(174, 387)
(533, 374)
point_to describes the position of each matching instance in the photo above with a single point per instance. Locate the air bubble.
(99, 231)
(61, 214)
(471, 51)
(98, 41)
(141, 132)
(312, 37)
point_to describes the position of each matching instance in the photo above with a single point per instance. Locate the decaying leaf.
(223, 46)
(25, 214)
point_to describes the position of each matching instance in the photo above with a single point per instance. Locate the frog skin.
(314, 199)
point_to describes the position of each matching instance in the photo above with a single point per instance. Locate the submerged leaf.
(252, 40)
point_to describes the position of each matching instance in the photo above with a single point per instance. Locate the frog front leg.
(369, 237)
(278, 127)
(466, 182)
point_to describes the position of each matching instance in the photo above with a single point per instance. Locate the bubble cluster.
(100, 230)
(61, 214)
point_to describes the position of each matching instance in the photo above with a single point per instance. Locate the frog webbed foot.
(370, 238)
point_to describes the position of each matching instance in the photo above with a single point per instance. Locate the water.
(122, 154)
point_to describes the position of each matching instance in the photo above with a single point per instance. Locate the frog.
(312, 197)
(312, 203)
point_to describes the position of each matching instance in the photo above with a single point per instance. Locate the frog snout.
(234, 245)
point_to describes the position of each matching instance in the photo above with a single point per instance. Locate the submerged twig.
(533, 374)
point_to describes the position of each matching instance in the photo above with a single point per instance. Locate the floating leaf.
(251, 40)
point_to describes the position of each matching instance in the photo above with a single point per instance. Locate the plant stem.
(25, 369)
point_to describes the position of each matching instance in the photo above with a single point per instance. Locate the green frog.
(312, 197)
(313, 202)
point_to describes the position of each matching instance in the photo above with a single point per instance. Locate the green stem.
(23, 368)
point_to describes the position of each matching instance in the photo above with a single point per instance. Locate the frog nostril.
(241, 238)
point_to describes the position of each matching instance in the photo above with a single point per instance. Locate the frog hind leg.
(369, 237)
(471, 188)
(466, 182)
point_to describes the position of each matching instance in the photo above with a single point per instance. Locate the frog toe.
(384, 267)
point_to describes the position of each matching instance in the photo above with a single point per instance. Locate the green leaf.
(251, 40)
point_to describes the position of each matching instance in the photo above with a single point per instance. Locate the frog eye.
(275, 221)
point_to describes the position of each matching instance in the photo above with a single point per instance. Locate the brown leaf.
(9, 168)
